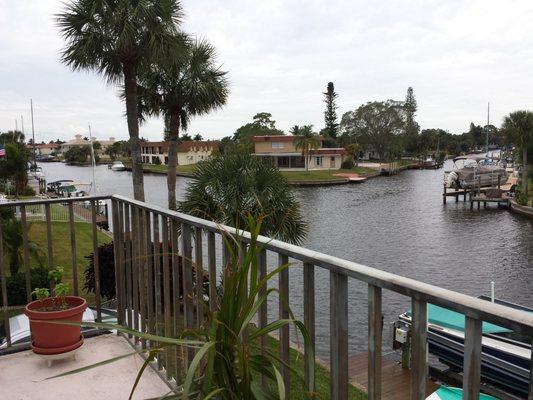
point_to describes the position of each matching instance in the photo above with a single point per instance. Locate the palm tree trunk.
(525, 169)
(132, 115)
(174, 126)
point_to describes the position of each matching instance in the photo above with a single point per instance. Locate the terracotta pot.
(50, 338)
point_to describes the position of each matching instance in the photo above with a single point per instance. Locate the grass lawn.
(61, 248)
(321, 376)
(325, 175)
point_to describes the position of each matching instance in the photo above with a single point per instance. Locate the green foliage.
(16, 285)
(306, 140)
(14, 166)
(262, 125)
(228, 188)
(330, 114)
(231, 354)
(12, 243)
(56, 275)
(78, 154)
(156, 161)
(106, 258)
(377, 124)
(348, 163)
(41, 293)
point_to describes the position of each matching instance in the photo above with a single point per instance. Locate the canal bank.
(397, 224)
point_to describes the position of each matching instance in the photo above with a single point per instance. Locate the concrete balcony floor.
(22, 374)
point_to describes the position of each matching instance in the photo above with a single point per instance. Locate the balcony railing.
(157, 292)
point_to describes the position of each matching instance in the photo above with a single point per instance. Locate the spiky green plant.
(307, 141)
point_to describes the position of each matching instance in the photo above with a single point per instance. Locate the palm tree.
(12, 243)
(180, 89)
(232, 187)
(306, 140)
(518, 127)
(118, 39)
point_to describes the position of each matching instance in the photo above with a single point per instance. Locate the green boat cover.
(453, 320)
(451, 393)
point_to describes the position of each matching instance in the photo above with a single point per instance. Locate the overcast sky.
(457, 55)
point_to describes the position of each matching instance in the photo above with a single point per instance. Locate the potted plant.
(50, 337)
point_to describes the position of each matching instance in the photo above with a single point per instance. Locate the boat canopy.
(452, 393)
(453, 320)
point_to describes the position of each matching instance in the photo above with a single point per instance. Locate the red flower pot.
(50, 338)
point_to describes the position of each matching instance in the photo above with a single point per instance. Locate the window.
(277, 145)
(318, 161)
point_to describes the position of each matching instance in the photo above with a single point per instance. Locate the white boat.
(477, 171)
(452, 393)
(118, 166)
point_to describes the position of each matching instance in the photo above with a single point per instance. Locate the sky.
(280, 55)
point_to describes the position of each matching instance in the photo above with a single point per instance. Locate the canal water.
(397, 224)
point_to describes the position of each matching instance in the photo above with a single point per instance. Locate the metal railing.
(158, 292)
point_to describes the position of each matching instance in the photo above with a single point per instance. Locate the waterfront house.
(44, 149)
(189, 151)
(80, 141)
(281, 151)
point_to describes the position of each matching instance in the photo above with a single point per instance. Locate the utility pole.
(33, 132)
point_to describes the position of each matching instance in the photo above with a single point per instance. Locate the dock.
(395, 379)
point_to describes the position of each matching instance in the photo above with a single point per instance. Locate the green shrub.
(156, 161)
(348, 163)
(521, 199)
(28, 191)
(16, 285)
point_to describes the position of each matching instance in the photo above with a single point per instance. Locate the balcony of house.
(160, 274)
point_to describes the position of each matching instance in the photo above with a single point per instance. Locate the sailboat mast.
(487, 129)
(93, 161)
(22, 123)
(32, 131)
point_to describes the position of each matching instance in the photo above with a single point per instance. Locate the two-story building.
(80, 141)
(44, 149)
(189, 152)
(283, 153)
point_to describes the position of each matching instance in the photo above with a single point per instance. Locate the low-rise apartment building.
(189, 152)
(283, 153)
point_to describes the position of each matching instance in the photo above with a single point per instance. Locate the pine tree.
(411, 126)
(330, 115)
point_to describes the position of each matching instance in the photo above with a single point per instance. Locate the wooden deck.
(395, 379)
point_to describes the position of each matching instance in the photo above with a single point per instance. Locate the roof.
(278, 138)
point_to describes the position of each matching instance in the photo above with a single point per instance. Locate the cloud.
(458, 55)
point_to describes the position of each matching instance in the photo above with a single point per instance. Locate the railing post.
(177, 322)
(309, 311)
(530, 392)
(27, 271)
(263, 309)
(50, 251)
(375, 328)
(4, 288)
(149, 271)
(186, 261)
(141, 255)
(166, 290)
(73, 256)
(157, 281)
(198, 258)
(338, 321)
(135, 266)
(472, 359)
(96, 263)
(212, 261)
(117, 255)
(284, 348)
(419, 350)
(128, 266)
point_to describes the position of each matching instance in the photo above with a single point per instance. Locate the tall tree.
(118, 39)
(180, 89)
(375, 124)
(306, 140)
(14, 166)
(518, 127)
(330, 115)
(411, 126)
(262, 124)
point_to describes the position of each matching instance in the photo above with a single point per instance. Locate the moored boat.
(505, 359)
(453, 393)
(477, 171)
(118, 166)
